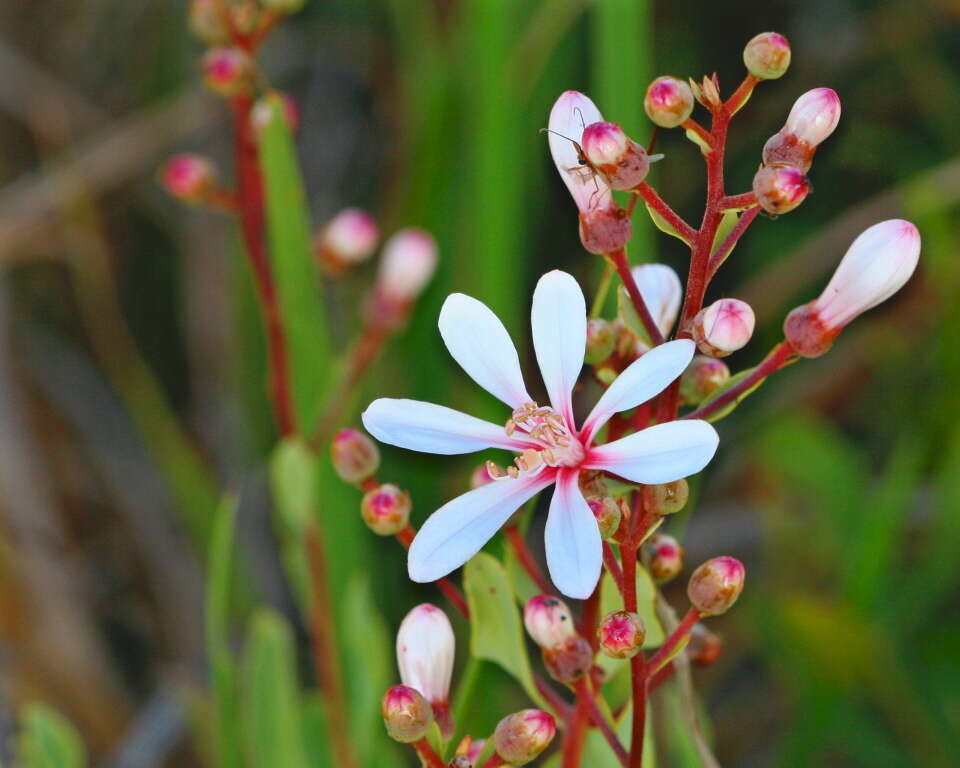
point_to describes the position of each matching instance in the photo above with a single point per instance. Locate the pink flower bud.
(608, 513)
(406, 714)
(813, 118)
(704, 376)
(622, 161)
(522, 736)
(875, 267)
(621, 634)
(188, 177)
(228, 71)
(767, 55)
(349, 238)
(664, 557)
(666, 498)
(570, 115)
(723, 327)
(605, 230)
(600, 340)
(425, 647)
(715, 586)
(662, 293)
(206, 23)
(780, 188)
(548, 620)
(480, 476)
(668, 102)
(408, 262)
(355, 456)
(386, 510)
(704, 647)
(569, 661)
(262, 112)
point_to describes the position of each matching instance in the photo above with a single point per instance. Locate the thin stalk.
(683, 629)
(613, 567)
(733, 202)
(651, 198)
(519, 546)
(638, 672)
(429, 755)
(577, 723)
(619, 260)
(602, 290)
(730, 241)
(600, 720)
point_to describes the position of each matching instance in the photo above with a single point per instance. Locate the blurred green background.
(131, 363)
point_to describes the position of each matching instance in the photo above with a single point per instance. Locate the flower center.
(558, 447)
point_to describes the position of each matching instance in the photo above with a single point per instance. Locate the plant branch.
(429, 755)
(619, 260)
(519, 546)
(734, 202)
(658, 204)
(676, 637)
(730, 241)
(600, 720)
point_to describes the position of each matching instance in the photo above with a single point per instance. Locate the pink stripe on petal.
(574, 548)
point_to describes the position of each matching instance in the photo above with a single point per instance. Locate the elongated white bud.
(425, 647)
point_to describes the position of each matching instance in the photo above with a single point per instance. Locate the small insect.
(584, 170)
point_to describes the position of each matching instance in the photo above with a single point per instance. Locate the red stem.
(651, 198)
(525, 558)
(692, 125)
(610, 561)
(556, 703)
(577, 724)
(683, 629)
(601, 722)
(444, 585)
(778, 357)
(495, 761)
(660, 676)
(427, 752)
(588, 618)
(250, 209)
(732, 202)
(637, 663)
(723, 250)
(619, 259)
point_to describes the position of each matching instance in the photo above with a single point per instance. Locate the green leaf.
(48, 740)
(293, 478)
(496, 632)
(628, 314)
(222, 666)
(697, 139)
(663, 225)
(291, 258)
(271, 694)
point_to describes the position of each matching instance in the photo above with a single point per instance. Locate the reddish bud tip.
(605, 230)
(666, 498)
(386, 510)
(355, 456)
(349, 238)
(548, 620)
(522, 736)
(621, 634)
(600, 340)
(767, 55)
(608, 513)
(664, 557)
(188, 177)
(806, 332)
(406, 714)
(723, 327)
(704, 376)
(715, 586)
(780, 188)
(668, 102)
(408, 262)
(228, 71)
(623, 162)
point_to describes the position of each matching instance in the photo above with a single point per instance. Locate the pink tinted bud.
(665, 498)
(704, 376)
(605, 230)
(600, 340)
(622, 161)
(814, 116)
(715, 586)
(386, 510)
(780, 188)
(519, 738)
(206, 23)
(548, 620)
(664, 557)
(408, 262)
(705, 647)
(767, 56)
(188, 177)
(228, 71)
(569, 661)
(355, 456)
(425, 646)
(621, 634)
(608, 513)
(480, 476)
(406, 714)
(723, 327)
(668, 102)
(349, 238)
(662, 293)
(571, 113)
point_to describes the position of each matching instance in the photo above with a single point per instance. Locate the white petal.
(661, 291)
(659, 454)
(559, 323)
(642, 379)
(481, 345)
(459, 529)
(430, 428)
(571, 113)
(574, 548)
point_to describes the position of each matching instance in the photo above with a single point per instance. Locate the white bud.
(425, 647)
(408, 262)
(549, 621)
(723, 327)
(661, 291)
(814, 116)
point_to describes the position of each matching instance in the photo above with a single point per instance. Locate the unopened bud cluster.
(228, 71)
(386, 509)
(349, 238)
(621, 634)
(406, 714)
(668, 102)
(663, 557)
(187, 177)
(566, 655)
(623, 163)
(723, 327)
(521, 737)
(767, 56)
(355, 456)
(425, 649)
(715, 586)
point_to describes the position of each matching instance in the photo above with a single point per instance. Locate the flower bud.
(666, 498)
(407, 264)
(425, 647)
(605, 230)
(812, 119)
(623, 162)
(262, 112)
(621, 634)
(228, 71)
(780, 188)
(522, 736)
(704, 647)
(569, 661)
(876, 266)
(187, 177)
(284, 7)
(716, 585)
(767, 55)
(704, 376)
(669, 101)
(355, 456)
(406, 714)
(468, 752)
(608, 513)
(548, 620)
(570, 113)
(480, 476)
(386, 510)
(600, 340)
(349, 238)
(723, 327)
(661, 291)
(664, 557)
(206, 23)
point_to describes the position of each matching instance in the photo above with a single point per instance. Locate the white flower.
(551, 449)
(661, 291)
(425, 647)
(814, 116)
